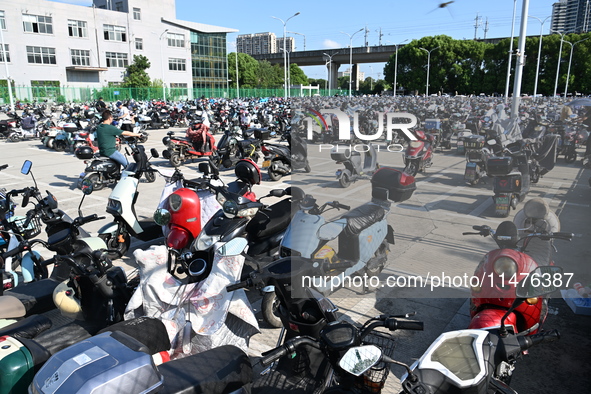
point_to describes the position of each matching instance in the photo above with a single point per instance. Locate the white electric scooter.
(121, 203)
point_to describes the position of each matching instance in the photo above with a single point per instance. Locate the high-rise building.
(289, 44)
(58, 44)
(571, 16)
(256, 44)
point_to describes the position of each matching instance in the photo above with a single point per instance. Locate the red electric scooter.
(499, 272)
(419, 154)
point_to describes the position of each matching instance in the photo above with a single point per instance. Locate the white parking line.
(481, 208)
(443, 196)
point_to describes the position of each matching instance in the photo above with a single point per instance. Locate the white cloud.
(330, 44)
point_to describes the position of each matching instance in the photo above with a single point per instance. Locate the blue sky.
(322, 21)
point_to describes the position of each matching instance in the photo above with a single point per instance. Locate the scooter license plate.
(470, 173)
(501, 203)
(266, 163)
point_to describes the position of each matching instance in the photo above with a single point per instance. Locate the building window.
(2, 21)
(119, 6)
(80, 57)
(208, 60)
(41, 55)
(2, 52)
(137, 14)
(139, 44)
(37, 24)
(115, 33)
(177, 64)
(77, 28)
(180, 89)
(175, 40)
(116, 59)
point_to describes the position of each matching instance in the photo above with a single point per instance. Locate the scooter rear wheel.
(175, 160)
(570, 157)
(60, 145)
(120, 243)
(344, 181)
(150, 176)
(96, 183)
(269, 306)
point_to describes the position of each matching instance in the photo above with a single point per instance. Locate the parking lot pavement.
(428, 230)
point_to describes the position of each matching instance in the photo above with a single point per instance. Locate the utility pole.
(476, 25)
(485, 27)
(366, 33)
(380, 35)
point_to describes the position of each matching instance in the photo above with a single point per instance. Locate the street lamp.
(329, 70)
(237, 79)
(428, 67)
(285, 53)
(539, 52)
(288, 69)
(396, 65)
(6, 66)
(162, 64)
(559, 59)
(510, 53)
(300, 34)
(351, 56)
(572, 46)
(370, 79)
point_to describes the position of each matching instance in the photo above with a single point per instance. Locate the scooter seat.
(37, 296)
(28, 328)
(362, 217)
(220, 370)
(270, 221)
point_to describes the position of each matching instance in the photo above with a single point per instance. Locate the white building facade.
(50, 43)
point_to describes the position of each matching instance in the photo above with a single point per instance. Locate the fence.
(82, 94)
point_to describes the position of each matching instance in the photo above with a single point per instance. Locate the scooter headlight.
(247, 213)
(175, 202)
(114, 205)
(506, 267)
(221, 198)
(162, 217)
(205, 241)
(415, 144)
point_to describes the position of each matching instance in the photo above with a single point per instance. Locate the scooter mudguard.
(470, 172)
(28, 266)
(16, 364)
(342, 172)
(109, 228)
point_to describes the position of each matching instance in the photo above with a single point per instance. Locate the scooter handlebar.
(287, 348)
(526, 342)
(240, 285)
(338, 205)
(401, 324)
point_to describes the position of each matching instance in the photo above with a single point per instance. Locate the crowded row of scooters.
(220, 238)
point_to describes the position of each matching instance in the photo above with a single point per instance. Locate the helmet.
(119, 103)
(65, 299)
(84, 152)
(247, 171)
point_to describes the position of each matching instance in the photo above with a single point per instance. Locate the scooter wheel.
(97, 184)
(150, 176)
(307, 168)
(269, 307)
(474, 182)
(344, 181)
(275, 176)
(13, 138)
(175, 160)
(119, 244)
(60, 145)
(570, 157)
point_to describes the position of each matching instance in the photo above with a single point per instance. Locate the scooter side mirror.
(87, 186)
(358, 360)
(539, 282)
(26, 168)
(154, 152)
(204, 168)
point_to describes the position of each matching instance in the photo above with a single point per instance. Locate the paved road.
(428, 239)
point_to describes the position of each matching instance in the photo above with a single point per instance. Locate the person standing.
(107, 138)
(101, 105)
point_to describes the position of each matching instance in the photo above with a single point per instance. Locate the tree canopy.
(473, 67)
(136, 76)
(261, 74)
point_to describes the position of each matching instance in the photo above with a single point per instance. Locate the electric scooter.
(121, 204)
(356, 166)
(419, 154)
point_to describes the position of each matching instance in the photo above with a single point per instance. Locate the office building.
(571, 16)
(58, 44)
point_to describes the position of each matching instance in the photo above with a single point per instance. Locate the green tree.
(136, 76)
(343, 82)
(268, 75)
(297, 76)
(322, 83)
(248, 68)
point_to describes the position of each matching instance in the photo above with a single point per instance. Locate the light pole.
(162, 63)
(559, 59)
(370, 79)
(572, 46)
(285, 53)
(428, 67)
(237, 79)
(6, 66)
(510, 53)
(396, 65)
(329, 70)
(300, 34)
(351, 56)
(539, 53)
